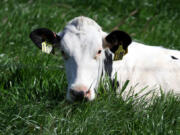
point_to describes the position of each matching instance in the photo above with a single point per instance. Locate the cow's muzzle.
(80, 93)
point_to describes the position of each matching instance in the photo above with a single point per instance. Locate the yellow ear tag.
(46, 47)
(119, 53)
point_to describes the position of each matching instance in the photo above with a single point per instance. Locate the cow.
(90, 54)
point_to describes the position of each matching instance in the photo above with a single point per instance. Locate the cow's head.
(83, 45)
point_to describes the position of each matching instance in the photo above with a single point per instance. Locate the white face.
(83, 55)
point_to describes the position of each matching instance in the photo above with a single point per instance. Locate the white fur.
(151, 67)
(143, 65)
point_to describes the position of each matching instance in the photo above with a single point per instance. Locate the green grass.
(33, 84)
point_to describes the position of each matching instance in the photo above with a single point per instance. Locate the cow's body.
(149, 67)
(88, 52)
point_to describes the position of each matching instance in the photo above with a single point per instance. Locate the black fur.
(108, 63)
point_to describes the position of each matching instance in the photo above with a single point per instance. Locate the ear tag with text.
(46, 47)
(119, 53)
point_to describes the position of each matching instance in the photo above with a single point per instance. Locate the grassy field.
(33, 84)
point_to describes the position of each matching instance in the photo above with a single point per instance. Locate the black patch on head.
(174, 58)
(117, 38)
(43, 34)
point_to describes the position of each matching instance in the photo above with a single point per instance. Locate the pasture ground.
(33, 84)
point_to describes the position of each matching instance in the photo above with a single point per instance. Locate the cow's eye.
(64, 55)
(99, 52)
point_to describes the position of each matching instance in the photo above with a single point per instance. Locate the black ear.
(116, 38)
(43, 34)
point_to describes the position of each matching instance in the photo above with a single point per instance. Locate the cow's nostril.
(77, 95)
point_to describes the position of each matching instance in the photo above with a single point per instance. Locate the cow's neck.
(110, 67)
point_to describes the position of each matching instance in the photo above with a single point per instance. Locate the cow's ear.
(45, 39)
(118, 42)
